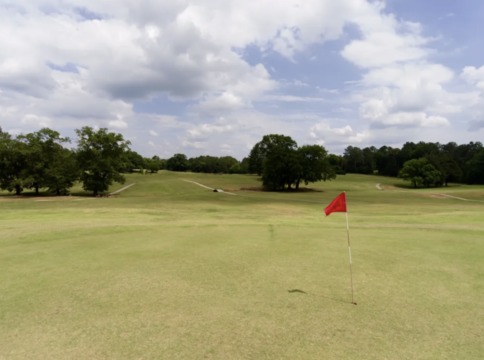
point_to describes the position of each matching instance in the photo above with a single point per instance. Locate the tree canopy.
(282, 164)
(420, 172)
(101, 156)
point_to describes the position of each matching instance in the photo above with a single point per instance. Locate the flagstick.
(349, 253)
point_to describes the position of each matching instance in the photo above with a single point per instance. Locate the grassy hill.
(169, 269)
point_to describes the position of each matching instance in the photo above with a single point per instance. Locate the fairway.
(169, 269)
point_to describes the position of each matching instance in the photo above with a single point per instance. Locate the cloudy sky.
(211, 77)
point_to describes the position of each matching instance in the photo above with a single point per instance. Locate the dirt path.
(122, 189)
(208, 187)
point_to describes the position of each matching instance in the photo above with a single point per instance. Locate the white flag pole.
(349, 253)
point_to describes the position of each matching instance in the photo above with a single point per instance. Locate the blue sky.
(211, 77)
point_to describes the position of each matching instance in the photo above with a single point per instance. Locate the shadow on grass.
(411, 187)
(43, 195)
(299, 291)
(296, 291)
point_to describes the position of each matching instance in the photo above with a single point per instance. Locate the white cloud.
(411, 119)
(118, 124)
(409, 75)
(324, 134)
(35, 120)
(384, 48)
(474, 76)
(205, 130)
(67, 64)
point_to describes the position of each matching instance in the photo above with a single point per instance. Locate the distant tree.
(177, 162)
(336, 162)
(229, 164)
(256, 158)
(151, 164)
(447, 166)
(420, 172)
(134, 161)
(418, 150)
(353, 160)
(244, 166)
(62, 172)
(161, 163)
(369, 160)
(386, 161)
(475, 169)
(279, 159)
(101, 156)
(314, 165)
(464, 155)
(13, 160)
(42, 147)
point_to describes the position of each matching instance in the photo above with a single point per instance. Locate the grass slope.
(170, 270)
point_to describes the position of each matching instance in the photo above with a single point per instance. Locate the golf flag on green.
(337, 205)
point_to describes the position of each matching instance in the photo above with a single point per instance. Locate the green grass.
(170, 270)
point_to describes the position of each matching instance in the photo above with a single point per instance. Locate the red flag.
(337, 205)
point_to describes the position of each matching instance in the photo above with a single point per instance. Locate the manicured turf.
(168, 269)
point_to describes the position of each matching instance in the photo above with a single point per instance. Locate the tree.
(275, 158)
(43, 147)
(13, 158)
(336, 162)
(354, 160)
(475, 169)
(152, 165)
(464, 155)
(244, 166)
(135, 162)
(62, 172)
(101, 156)
(177, 162)
(256, 159)
(386, 159)
(161, 163)
(314, 164)
(420, 172)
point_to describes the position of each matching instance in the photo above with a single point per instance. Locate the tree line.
(44, 160)
(423, 163)
(281, 164)
(41, 160)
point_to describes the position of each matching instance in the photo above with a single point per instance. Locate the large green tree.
(276, 158)
(13, 159)
(386, 161)
(62, 172)
(315, 165)
(475, 169)
(178, 162)
(101, 156)
(45, 160)
(420, 172)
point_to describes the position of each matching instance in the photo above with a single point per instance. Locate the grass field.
(168, 269)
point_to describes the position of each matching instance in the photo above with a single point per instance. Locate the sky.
(212, 77)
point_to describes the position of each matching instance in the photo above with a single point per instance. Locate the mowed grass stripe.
(170, 270)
